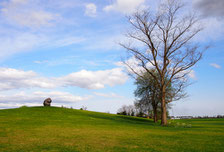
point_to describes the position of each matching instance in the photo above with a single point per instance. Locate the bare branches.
(166, 44)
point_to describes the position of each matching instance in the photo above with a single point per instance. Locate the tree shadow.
(125, 119)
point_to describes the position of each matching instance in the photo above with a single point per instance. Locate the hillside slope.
(52, 129)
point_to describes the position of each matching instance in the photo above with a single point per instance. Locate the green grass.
(51, 129)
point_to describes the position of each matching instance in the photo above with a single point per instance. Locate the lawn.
(52, 129)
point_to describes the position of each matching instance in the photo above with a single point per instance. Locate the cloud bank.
(214, 65)
(125, 6)
(36, 98)
(19, 79)
(25, 14)
(210, 8)
(90, 10)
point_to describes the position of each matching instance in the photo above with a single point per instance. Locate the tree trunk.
(154, 105)
(155, 114)
(163, 107)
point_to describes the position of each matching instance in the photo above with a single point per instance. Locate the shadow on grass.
(135, 119)
(125, 119)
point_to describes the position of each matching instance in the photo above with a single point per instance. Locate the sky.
(68, 50)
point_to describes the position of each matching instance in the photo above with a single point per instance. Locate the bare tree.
(164, 43)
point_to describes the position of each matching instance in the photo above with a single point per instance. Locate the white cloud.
(215, 65)
(22, 41)
(108, 95)
(90, 10)
(105, 42)
(64, 60)
(41, 62)
(24, 26)
(213, 30)
(95, 79)
(27, 41)
(24, 13)
(133, 65)
(192, 75)
(125, 6)
(67, 40)
(36, 98)
(17, 79)
(58, 96)
(16, 105)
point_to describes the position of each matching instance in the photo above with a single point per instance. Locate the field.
(52, 129)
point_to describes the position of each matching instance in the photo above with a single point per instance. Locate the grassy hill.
(52, 129)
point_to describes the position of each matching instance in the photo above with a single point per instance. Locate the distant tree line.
(135, 110)
(138, 111)
(208, 117)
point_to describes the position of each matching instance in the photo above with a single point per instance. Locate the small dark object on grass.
(47, 102)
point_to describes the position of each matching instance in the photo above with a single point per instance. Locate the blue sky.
(67, 50)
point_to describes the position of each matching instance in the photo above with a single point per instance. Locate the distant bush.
(83, 108)
(220, 116)
(23, 106)
(122, 113)
(140, 114)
